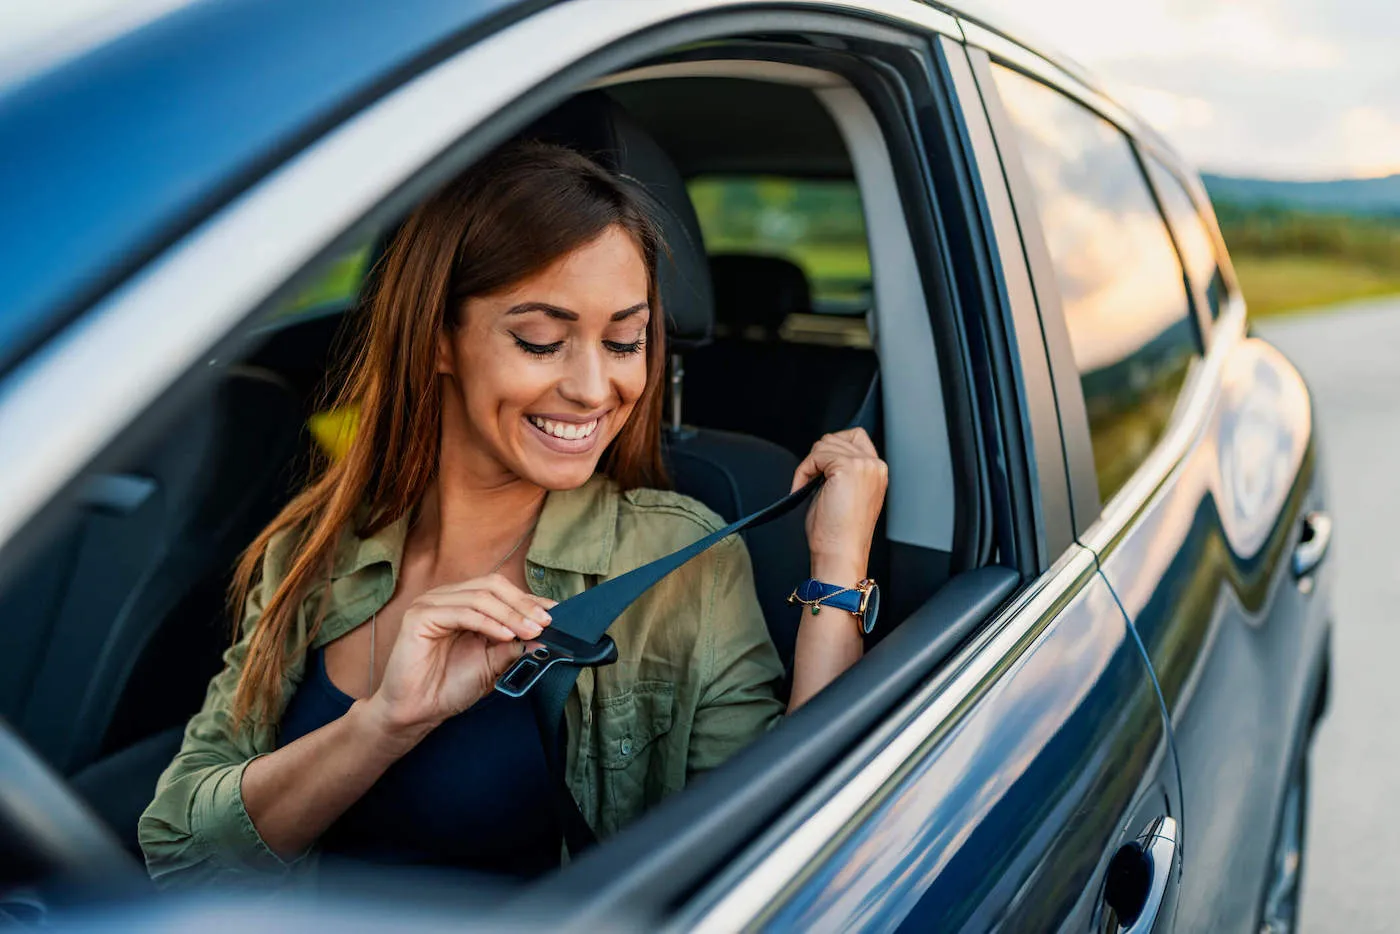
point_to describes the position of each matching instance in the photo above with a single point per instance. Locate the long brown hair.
(509, 216)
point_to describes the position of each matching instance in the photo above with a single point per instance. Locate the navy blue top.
(475, 793)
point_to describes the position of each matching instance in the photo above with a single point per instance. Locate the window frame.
(1098, 524)
(1199, 298)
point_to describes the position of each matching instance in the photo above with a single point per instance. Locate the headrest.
(599, 127)
(758, 291)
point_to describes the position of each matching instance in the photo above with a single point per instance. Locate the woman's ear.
(445, 357)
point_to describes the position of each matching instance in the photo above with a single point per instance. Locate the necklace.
(499, 564)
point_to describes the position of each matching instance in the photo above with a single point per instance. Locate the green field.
(1291, 260)
(1283, 284)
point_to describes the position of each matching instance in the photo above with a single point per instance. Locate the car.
(1103, 644)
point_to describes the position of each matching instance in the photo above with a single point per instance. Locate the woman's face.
(542, 376)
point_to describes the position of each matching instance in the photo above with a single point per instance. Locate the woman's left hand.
(841, 521)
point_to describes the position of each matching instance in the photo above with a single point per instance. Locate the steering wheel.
(48, 836)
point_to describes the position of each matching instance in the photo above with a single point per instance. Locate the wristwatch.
(863, 599)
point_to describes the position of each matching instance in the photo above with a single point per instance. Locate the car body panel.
(116, 163)
(1009, 815)
(1204, 572)
(1196, 544)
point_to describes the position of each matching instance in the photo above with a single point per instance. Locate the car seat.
(808, 389)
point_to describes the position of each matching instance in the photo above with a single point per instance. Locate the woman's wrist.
(842, 571)
(380, 732)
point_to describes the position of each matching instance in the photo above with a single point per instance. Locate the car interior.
(115, 627)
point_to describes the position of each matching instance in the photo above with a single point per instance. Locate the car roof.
(131, 135)
(114, 151)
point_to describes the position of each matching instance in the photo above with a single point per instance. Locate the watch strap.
(832, 595)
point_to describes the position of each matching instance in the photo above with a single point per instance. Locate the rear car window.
(817, 224)
(1121, 283)
(1192, 235)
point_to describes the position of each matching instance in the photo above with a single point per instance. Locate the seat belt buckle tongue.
(554, 648)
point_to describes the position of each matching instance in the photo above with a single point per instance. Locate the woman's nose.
(587, 382)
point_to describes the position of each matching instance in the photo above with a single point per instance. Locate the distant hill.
(1373, 196)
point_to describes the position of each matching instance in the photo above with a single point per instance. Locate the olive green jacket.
(697, 675)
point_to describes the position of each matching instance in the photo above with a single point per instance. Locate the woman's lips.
(565, 437)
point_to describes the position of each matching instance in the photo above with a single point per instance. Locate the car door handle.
(1140, 876)
(1312, 543)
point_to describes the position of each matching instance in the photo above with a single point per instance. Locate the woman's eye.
(622, 349)
(539, 350)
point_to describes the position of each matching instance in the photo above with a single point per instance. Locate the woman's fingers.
(805, 473)
(477, 611)
(526, 608)
(500, 655)
(828, 453)
(495, 582)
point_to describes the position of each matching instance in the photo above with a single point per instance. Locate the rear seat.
(806, 390)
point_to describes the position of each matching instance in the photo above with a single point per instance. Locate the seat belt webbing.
(587, 616)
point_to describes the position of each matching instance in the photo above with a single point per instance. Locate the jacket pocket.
(632, 763)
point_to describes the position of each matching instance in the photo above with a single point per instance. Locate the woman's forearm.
(293, 795)
(828, 642)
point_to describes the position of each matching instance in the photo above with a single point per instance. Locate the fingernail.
(534, 630)
(540, 616)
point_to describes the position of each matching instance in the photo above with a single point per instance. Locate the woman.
(508, 391)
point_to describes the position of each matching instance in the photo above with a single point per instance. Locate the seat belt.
(577, 638)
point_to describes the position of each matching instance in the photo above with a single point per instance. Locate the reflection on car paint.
(1202, 574)
(1007, 817)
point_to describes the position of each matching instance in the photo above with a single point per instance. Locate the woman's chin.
(560, 477)
(554, 470)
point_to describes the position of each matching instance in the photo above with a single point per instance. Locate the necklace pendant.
(816, 608)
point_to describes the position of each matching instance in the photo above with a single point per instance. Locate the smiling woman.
(586, 368)
(506, 390)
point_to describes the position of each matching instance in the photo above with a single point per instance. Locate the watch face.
(872, 609)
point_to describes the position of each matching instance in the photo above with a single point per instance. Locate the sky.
(1275, 88)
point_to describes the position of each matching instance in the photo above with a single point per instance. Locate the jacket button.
(626, 746)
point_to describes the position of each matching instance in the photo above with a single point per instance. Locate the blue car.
(1102, 647)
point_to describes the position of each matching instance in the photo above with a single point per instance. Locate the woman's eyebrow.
(564, 314)
(629, 312)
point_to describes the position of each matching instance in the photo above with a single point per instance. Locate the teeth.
(568, 431)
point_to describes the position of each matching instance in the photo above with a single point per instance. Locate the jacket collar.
(577, 532)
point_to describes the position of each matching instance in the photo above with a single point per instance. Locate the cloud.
(1285, 88)
(1167, 111)
(1371, 140)
(1242, 32)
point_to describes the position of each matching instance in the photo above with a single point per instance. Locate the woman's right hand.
(453, 643)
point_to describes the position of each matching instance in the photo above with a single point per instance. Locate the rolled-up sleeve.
(196, 829)
(741, 675)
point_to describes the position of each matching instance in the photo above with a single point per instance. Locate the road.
(1351, 359)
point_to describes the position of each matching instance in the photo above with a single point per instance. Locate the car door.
(1202, 456)
(999, 796)
(1013, 774)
